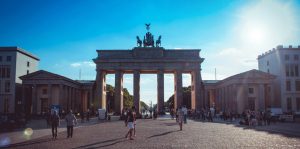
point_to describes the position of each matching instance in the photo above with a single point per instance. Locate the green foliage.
(110, 96)
(144, 105)
(186, 98)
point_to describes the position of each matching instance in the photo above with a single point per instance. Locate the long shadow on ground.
(162, 134)
(272, 129)
(94, 145)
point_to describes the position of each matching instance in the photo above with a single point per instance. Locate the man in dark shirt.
(54, 120)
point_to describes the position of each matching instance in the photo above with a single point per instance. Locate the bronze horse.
(158, 41)
(139, 41)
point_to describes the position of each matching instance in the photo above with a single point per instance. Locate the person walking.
(54, 120)
(180, 117)
(185, 111)
(71, 121)
(130, 124)
(134, 120)
(88, 115)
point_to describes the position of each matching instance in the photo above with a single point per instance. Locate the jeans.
(54, 130)
(70, 131)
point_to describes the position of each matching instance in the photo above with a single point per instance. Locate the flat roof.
(19, 50)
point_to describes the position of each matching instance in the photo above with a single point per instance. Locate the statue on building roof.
(148, 40)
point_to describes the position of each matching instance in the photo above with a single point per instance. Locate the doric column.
(61, 94)
(118, 92)
(136, 91)
(234, 92)
(90, 99)
(34, 99)
(178, 95)
(100, 90)
(261, 98)
(197, 102)
(160, 92)
(68, 98)
(272, 97)
(50, 101)
(23, 99)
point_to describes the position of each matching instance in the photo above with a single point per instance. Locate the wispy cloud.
(83, 64)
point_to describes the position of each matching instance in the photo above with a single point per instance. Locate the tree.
(186, 98)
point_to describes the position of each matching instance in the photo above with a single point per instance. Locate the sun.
(255, 34)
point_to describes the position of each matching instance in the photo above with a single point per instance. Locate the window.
(268, 63)
(0, 58)
(268, 71)
(44, 91)
(251, 90)
(7, 72)
(296, 57)
(28, 64)
(7, 87)
(292, 70)
(296, 70)
(297, 83)
(3, 72)
(27, 71)
(288, 85)
(8, 58)
(6, 105)
(298, 104)
(287, 72)
(286, 57)
(289, 103)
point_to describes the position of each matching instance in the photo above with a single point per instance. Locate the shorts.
(130, 125)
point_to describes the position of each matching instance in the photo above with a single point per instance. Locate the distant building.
(250, 90)
(283, 62)
(43, 90)
(14, 62)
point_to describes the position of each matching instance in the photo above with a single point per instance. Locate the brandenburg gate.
(144, 59)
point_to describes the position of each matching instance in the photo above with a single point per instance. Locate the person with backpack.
(54, 120)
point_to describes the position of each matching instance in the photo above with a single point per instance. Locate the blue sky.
(231, 33)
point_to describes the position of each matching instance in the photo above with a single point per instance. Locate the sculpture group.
(148, 40)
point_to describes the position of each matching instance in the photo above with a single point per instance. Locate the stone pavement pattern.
(163, 133)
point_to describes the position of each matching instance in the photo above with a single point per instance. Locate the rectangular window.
(268, 71)
(287, 70)
(298, 103)
(296, 57)
(6, 105)
(27, 71)
(28, 64)
(0, 58)
(296, 70)
(44, 91)
(292, 70)
(251, 90)
(7, 72)
(286, 57)
(289, 103)
(7, 86)
(8, 58)
(297, 85)
(288, 85)
(268, 63)
(3, 72)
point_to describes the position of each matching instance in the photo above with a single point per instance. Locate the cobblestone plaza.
(164, 133)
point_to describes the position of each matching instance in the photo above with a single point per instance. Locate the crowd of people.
(129, 115)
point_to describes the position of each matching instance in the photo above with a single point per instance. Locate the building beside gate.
(284, 62)
(14, 62)
(42, 90)
(250, 90)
